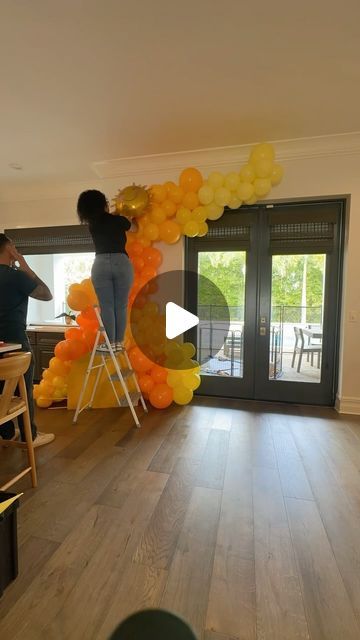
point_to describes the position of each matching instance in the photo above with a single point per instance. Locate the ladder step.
(134, 396)
(126, 373)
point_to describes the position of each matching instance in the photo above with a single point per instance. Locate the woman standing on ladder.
(112, 272)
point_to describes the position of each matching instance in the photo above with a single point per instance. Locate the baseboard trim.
(348, 405)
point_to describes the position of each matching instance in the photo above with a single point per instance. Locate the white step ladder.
(121, 375)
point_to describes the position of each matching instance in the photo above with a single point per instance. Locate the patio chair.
(300, 348)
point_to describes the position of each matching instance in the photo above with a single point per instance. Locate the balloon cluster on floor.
(162, 213)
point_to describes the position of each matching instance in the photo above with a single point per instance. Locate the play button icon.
(182, 308)
(178, 320)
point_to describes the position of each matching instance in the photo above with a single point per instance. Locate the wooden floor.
(241, 517)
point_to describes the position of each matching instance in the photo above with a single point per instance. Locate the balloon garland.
(163, 213)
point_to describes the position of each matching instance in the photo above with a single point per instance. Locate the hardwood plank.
(293, 477)
(185, 440)
(187, 588)
(157, 545)
(120, 486)
(280, 608)
(328, 609)
(212, 468)
(44, 597)
(223, 419)
(33, 555)
(232, 602)
(141, 587)
(107, 576)
(340, 518)
(211, 635)
(56, 508)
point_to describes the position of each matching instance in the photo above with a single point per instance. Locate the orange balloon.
(158, 193)
(148, 273)
(190, 201)
(175, 193)
(191, 179)
(136, 248)
(146, 383)
(139, 361)
(161, 396)
(48, 375)
(138, 263)
(78, 348)
(170, 231)
(169, 185)
(78, 300)
(152, 257)
(159, 375)
(153, 286)
(62, 350)
(74, 333)
(169, 207)
(89, 336)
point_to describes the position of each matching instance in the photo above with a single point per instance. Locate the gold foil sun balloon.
(132, 201)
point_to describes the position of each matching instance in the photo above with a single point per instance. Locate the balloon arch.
(163, 213)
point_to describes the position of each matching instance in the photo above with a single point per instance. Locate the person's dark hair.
(4, 240)
(90, 205)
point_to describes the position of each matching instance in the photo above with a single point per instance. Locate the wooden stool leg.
(28, 434)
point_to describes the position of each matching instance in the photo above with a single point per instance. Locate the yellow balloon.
(232, 181)
(252, 200)
(191, 380)
(222, 196)
(235, 202)
(245, 190)
(188, 349)
(247, 173)
(183, 215)
(182, 395)
(262, 151)
(262, 187)
(44, 403)
(157, 215)
(199, 214)
(216, 179)
(277, 174)
(174, 379)
(203, 229)
(213, 211)
(151, 231)
(206, 194)
(263, 168)
(191, 229)
(59, 382)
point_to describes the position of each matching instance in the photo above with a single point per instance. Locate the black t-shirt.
(15, 288)
(108, 233)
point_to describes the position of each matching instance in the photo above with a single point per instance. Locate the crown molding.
(112, 174)
(299, 148)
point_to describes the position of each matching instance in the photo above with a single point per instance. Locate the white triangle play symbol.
(178, 320)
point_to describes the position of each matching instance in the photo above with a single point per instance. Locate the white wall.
(314, 176)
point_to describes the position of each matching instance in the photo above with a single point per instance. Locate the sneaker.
(104, 347)
(43, 438)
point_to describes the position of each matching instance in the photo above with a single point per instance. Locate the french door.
(279, 269)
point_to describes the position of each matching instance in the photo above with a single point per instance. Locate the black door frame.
(256, 383)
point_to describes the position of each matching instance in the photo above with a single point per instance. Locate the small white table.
(5, 347)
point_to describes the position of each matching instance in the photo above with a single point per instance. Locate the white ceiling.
(92, 80)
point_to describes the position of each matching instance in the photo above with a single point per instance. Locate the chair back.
(11, 369)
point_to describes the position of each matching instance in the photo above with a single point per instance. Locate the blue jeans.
(112, 276)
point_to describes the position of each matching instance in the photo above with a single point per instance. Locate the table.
(313, 333)
(5, 347)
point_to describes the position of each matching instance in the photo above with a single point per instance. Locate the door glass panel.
(220, 346)
(297, 307)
